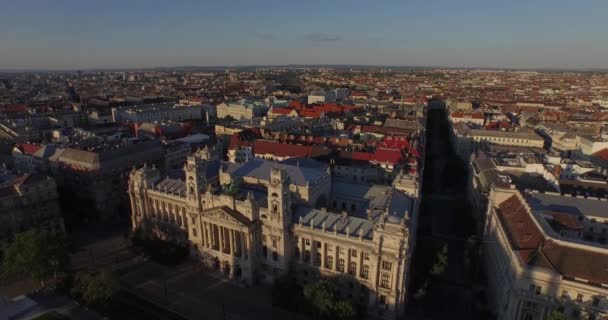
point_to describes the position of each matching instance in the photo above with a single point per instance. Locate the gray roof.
(173, 186)
(305, 162)
(377, 199)
(571, 205)
(340, 222)
(259, 168)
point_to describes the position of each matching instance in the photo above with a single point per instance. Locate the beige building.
(241, 110)
(535, 261)
(28, 201)
(266, 222)
(467, 140)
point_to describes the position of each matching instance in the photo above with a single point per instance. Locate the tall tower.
(276, 227)
(196, 180)
(279, 198)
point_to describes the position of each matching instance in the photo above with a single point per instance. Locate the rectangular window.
(340, 250)
(538, 289)
(341, 265)
(352, 268)
(365, 272)
(307, 256)
(353, 253)
(365, 256)
(274, 243)
(579, 297)
(386, 265)
(329, 262)
(194, 232)
(307, 242)
(385, 281)
(318, 244)
(318, 259)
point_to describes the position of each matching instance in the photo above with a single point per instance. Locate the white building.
(242, 110)
(322, 97)
(537, 262)
(156, 113)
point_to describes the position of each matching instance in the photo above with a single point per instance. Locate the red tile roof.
(28, 148)
(602, 154)
(524, 235)
(282, 149)
(14, 108)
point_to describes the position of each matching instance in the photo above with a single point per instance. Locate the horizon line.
(226, 66)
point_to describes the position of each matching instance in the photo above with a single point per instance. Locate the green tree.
(555, 315)
(96, 288)
(441, 261)
(38, 254)
(344, 309)
(320, 296)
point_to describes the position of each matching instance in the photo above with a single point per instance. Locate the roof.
(259, 168)
(571, 205)
(602, 154)
(282, 149)
(173, 186)
(233, 213)
(525, 237)
(535, 250)
(28, 148)
(377, 199)
(577, 262)
(342, 223)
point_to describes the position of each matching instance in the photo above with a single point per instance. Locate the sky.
(80, 34)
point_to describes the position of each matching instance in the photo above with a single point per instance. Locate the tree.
(344, 309)
(555, 315)
(441, 261)
(320, 296)
(38, 254)
(96, 288)
(229, 118)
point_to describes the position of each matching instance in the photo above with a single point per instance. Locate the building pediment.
(227, 214)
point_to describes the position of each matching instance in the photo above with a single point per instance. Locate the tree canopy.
(38, 254)
(96, 288)
(555, 315)
(321, 298)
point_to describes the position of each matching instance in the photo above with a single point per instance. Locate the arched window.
(275, 207)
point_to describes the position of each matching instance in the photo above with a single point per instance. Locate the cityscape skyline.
(467, 34)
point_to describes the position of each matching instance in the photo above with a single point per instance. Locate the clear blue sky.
(459, 33)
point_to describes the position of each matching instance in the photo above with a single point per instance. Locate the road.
(445, 219)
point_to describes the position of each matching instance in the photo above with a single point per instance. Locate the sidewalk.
(196, 293)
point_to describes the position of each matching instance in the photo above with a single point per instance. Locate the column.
(323, 250)
(347, 260)
(221, 234)
(359, 263)
(231, 239)
(242, 238)
(335, 265)
(250, 248)
(207, 235)
(202, 229)
(301, 248)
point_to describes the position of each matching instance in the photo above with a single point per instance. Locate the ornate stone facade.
(256, 232)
